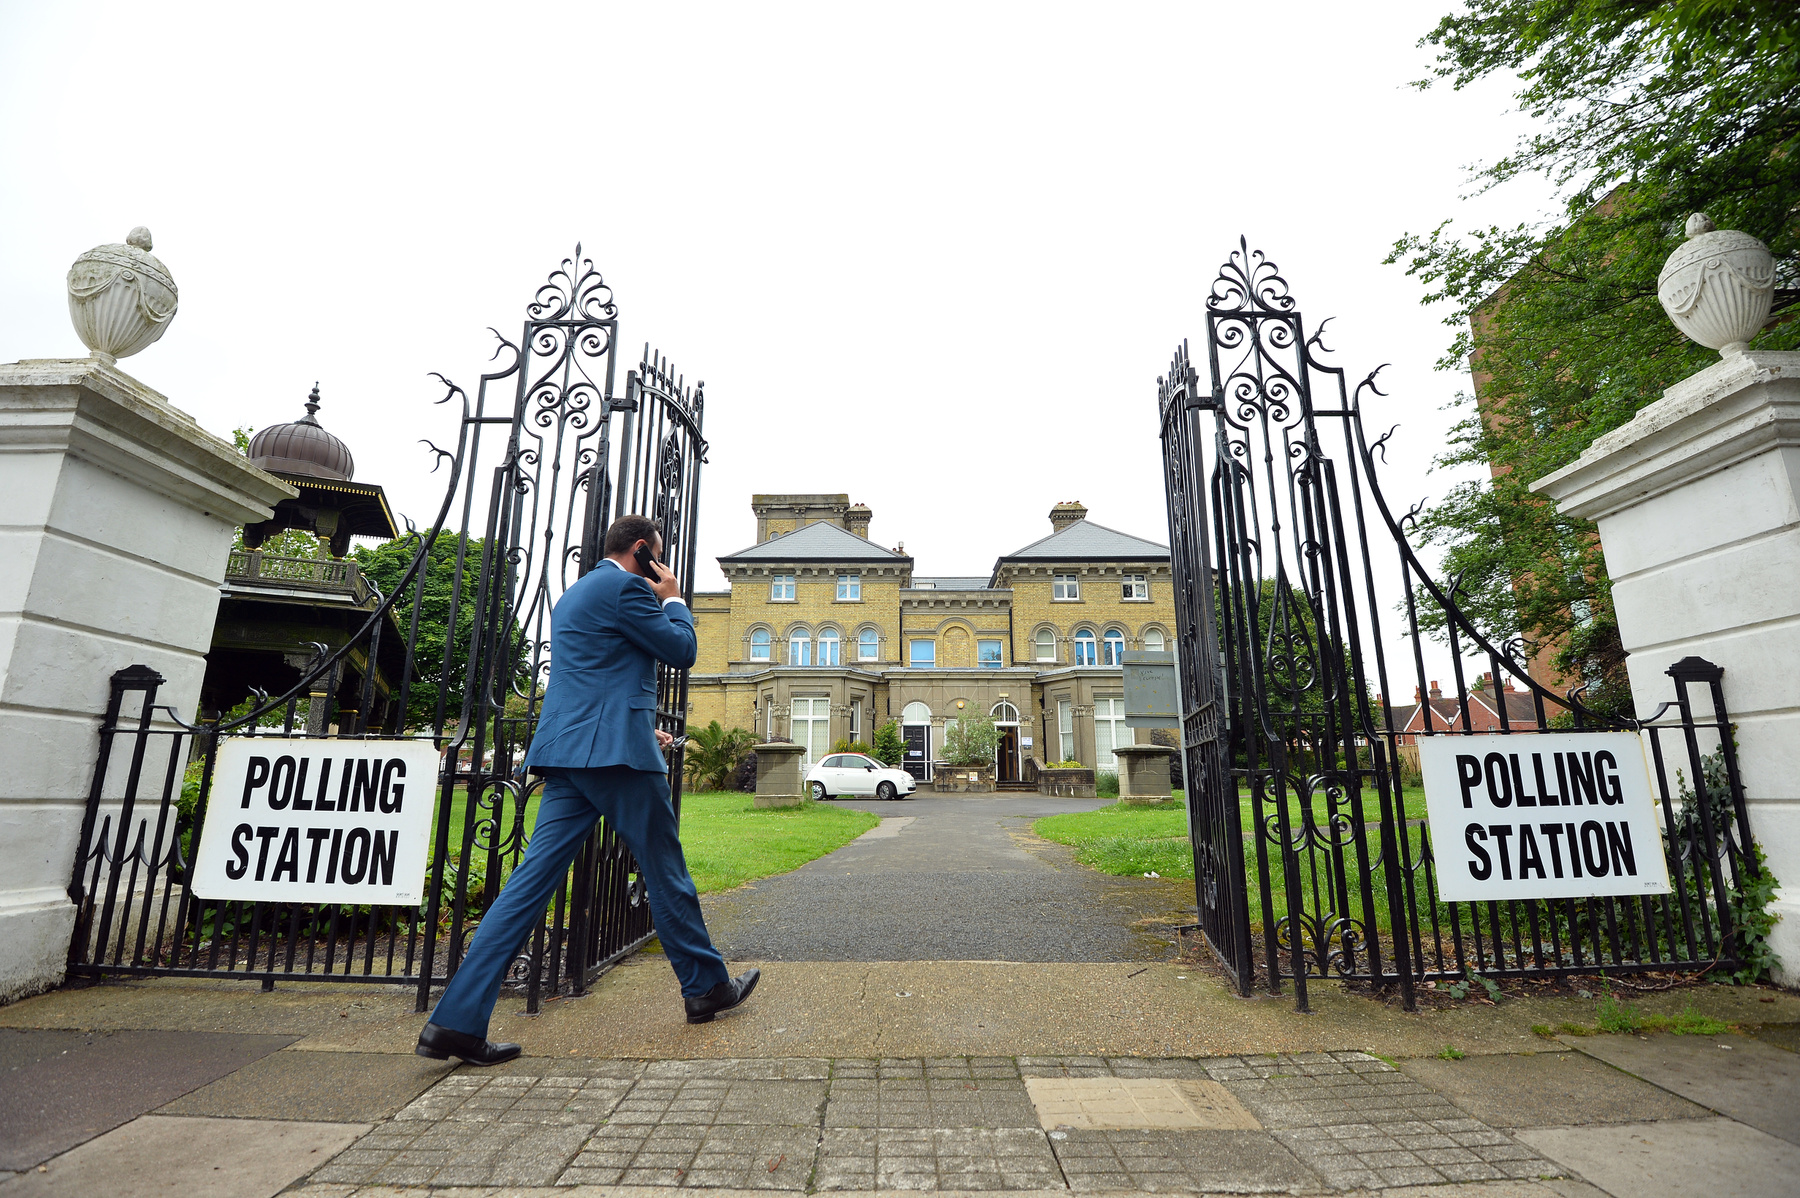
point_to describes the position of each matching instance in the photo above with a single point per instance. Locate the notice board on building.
(313, 820)
(1542, 815)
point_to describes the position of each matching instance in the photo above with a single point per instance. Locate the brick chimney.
(1436, 692)
(856, 520)
(1065, 514)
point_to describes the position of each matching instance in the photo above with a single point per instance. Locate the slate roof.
(816, 543)
(1085, 541)
(936, 583)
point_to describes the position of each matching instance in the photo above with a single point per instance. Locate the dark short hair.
(627, 531)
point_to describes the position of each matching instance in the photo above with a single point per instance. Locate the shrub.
(1106, 784)
(744, 777)
(846, 745)
(713, 754)
(890, 746)
(971, 741)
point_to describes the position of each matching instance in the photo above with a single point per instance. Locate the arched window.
(915, 713)
(1113, 648)
(800, 647)
(1004, 713)
(1046, 644)
(1153, 640)
(759, 645)
(868, 645)
(828, 647)
(1086, 651)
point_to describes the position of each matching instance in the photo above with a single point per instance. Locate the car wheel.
(818, 792)
(885, 792)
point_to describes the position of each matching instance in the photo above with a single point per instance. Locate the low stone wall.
(1144, 774)
(779, 781)
(962, 779)
(1065, 783)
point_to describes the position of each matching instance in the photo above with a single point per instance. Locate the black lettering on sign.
(281, 783)
(301, 802)
(235, 869)
(1574, 844)
(1593, 848)
(368, 781)
(266, 835)
(319, 800)
(1618, 840)
(255, 776)
(355, 864)
(1500, 833)
(1581, 777)
(1562, 780)
(1482, 867)
(1529, 857)
(287, 859)
(1611, 791)
(1498, 783)
(1553, 836)
(337, 843)
(1525, 798)
(318, 836)
(343, 803)
(1468, 774)
(381, 860)
(1545, 798)
(391, 789)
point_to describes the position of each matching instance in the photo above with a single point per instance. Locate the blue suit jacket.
(607, 633)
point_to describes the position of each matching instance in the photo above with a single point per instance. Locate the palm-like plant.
(713, 753)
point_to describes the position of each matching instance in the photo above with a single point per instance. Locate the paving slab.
(65, 1087)
(1125, 1103)
(1781, 1035)
(936, 1159)
(1547, 1089)
(1168, 1160)
(1739, 1076)
(356, 1087)
(168, 1156)
(1680, 1158)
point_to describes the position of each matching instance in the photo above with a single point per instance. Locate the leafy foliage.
(971, 741)
(384, 566)
(714, 754)
(1649, 110)
(890, 745)
(1749, 901)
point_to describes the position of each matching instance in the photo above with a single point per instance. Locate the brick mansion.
(826, 635)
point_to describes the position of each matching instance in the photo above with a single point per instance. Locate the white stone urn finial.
(1718, 286)
(121, 297)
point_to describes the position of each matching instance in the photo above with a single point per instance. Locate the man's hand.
(666, 585)
(664, 739)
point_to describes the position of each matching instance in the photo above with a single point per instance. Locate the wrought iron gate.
(536, 474)
(1279, 538)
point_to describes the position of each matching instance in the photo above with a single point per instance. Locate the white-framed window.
(855, 720)
(922, 655)
(759, 644)
(1136, 588)
(781, 588)
(1004, 713)
(1065, 587)
(800, 647)
(987, 655)
(868, 645)
(849, 587)
(1087, 650)
(1065, 729)
(828, 647)
(1153, 640)
(1110, 732)
(811, 724)
(1045, 643)
(1112, 648)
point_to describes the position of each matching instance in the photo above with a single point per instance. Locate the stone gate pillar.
(116, 517)
(1698, 505)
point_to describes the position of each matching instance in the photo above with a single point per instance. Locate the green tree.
(971, 740)
(384, 565)
(714, 754)
(890, 745)
(1648, 110)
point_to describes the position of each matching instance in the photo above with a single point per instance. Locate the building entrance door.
(1006, 748)
(915, 726)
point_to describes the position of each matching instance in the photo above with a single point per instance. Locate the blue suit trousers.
(635, 803)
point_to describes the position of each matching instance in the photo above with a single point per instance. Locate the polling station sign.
(318, 821)
(1541, 815)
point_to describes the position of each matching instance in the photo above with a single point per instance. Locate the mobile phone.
(647, 564)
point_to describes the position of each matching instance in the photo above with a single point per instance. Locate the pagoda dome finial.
(302, 447)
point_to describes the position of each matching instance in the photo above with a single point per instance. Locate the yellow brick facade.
(765, 657)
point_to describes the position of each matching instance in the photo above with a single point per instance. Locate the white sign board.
(318, 821)
(1542, 815)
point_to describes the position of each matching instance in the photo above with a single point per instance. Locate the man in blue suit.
(601, 755)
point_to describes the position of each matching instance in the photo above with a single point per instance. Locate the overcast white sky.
(932, 255)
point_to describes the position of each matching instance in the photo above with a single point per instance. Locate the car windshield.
(861, 762)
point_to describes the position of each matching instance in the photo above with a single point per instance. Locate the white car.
(854, 774)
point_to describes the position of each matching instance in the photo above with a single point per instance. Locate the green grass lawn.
(727, 839)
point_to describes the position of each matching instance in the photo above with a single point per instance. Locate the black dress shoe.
(440, 1042)
(723, 997)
